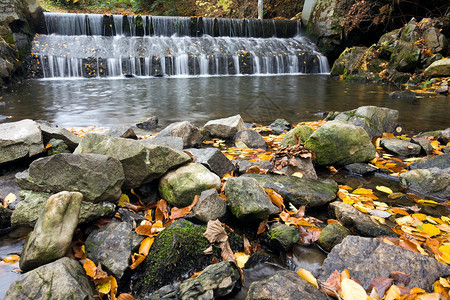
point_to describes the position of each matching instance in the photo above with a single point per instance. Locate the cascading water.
(78, 45)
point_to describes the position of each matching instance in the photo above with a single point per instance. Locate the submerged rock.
(176, 253)
(332, 235)
(217, 280)
(226, 127)
(179, 187)
(341, 143)
(28, 210)
(98, 177)
(53, 232)
(298, 191)
(247, 200)
(142, 162)
(284, 285)
(190, 134)
(304, 132)
(249, 139)
(355, 220)
(440, 161)
(243, 165)
(360, 168)
(19, 140)
(213, 159)
(112, 245)
(433, 182)
(62, 279)
(367, 259)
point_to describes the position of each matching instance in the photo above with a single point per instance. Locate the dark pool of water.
(262, 99)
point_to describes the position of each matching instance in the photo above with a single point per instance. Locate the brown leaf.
(300, 212)
(332, 286)
(262, 227)
(247, 246)
(161, 212)
(215, 232)
(102, 222)
(253, 170)
(100, 276)
(382, 284)
(276, 198)
(307, 237)
(176, 213)
(400, 278)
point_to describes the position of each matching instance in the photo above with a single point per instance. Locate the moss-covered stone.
(303, 131)
(176, 253)
(282, 237)
(332, 235)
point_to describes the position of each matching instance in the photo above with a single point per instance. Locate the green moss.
(303, 131)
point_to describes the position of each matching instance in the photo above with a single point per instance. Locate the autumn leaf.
(125, 296)
(215, 232)
(176, 213)
(146, 244)
(332, 286)
(352, 290)
(384, 189)
(13, 258)
(394, 196)
(241, 259)
(445, 250)
(105, 287)
(430, 229)
(89, 267)
(381, 284)
(362, 191)
(276, 198)
(161, 212)
(393, 293)
(262, 227)
(307, 276)
(137, 259)
(123, 199)
(145, 229)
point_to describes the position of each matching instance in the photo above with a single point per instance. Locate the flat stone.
(279, 126)
(226, 127)
(360, 169)
(121, 132)
(440, 161)
(368, 258)
(424, 144)
(213, 159)
(401, 147)
(189, 133)
(440, 68)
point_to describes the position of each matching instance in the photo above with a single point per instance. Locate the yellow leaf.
(306, 275)
(348, 200)
(445, 219)
(105, 287)
(384, 189)
(393, 293)
(395, 195)
(420, 217)
(241, 259)
(123, 199)
(445, 253)
(13, 258)
(90, 267)
(146, 244)
(137, 259)
(10, 198)
(428, 202)
(362, 191)
(430, 229)
(113, 288)
(445, 282)
(351, 290)
(435, 144)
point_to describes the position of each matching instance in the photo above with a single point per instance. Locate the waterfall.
(78, 45)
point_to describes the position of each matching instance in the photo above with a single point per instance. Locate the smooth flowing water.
(261, 99)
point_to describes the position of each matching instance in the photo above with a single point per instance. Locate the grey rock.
(190, 134)
(112, 245)
(440, 68)
(54, 132)
(213, 159)
(148, 124)
(303, 131)
(243, 165)
(53, 232)
(142, 163)
(282, 237)
(367, 258)
(341, 143)
(279, 126)
(424, 144)
(60, 280)
(173, 142)
(8, 185)
(121, 132)
(403, 95)
(217, 280)
(440, 161)
(57, 146)
(406, 56)
(432, 182)
(249, 139)
(226, 127)
(284, 285)
(446, 149)
(19, 140)
(401, 147)
(332, 235)
(360, 168)
(298, 191)
(210, 206)
(179, 187)
(444, 135)
(98, 177)
(5, 218)
(374, 120)
(166, 292)
(302, 165)
(28, 210)
(247, 200)
(357, 221)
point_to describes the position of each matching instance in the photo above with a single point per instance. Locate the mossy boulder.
(303, 131)
(282, 237)
(176, 253)
(405, 56)
(332, 235)
(438, 68)
(341, 143)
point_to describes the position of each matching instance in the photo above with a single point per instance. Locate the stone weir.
(89, 45)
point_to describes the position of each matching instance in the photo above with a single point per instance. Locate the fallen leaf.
(241, 259)
(445, 250)
(105, 287)
(125, 296)
(145, 229)
(384, 189)
(146, 244)
(332, 286)
(137, 260)
(394, 196)
(215, 232)
(382, 284)
(161, 212)
(89, 267)
(352, 290)
(176, 213)
(276, 198)
(399, 211)
(430, 229)
(400, 278)
(262, 227)
(100, 276)
(123, 199)
(362, 191)
(306, 275)
(393, 293)
(10, 198)
(13, 258)
(114, 287)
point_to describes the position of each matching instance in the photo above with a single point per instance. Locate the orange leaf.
(113, 288)
(176, 213)
(137, 260)
(388, 135)
(161, 212)
(144, 230)
(262, 227)
(276, 198)
(146, 245)
(399, 211)
(100, 276)
(125, 296)
(345, 187)
(362, 191)
(89, 267)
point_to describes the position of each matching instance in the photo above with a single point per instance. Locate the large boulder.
(213, 159)
(178, 187)
(98, 177)
(247, 200)
(53, 232)
(19, 140)
(374, 120)
(432, 182)
(298, 191)
(440, 68)
(28, 210)
(112, 245)
(341, 143)
(190, 134)
(176, 253)
(59, 280)
(217, 280)
(368, 258)
(284, 285)
(249, 139)
(226, 127)
(142, 162)
(357, 221)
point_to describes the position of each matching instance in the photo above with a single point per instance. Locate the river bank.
(138, 208)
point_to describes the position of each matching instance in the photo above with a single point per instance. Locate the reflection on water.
(9, 245)
(120, 101)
